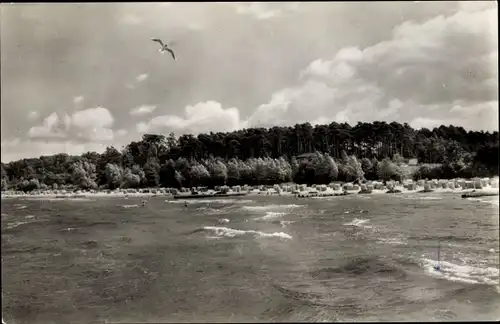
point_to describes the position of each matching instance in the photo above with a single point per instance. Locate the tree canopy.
(266, 156)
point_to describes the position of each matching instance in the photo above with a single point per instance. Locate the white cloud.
(423, 70)
(91, 124)
(202, 117)
(67, 122)
(142, 77)
(33, 115)
(47, 129)
(92, 117)
(142, 110)
(422, 122)
(165, 4)
(265, 10)
(121, 133)
(131, 19)
(16, 149)
(78, 99)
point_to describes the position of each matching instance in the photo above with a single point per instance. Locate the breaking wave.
(209, 201)
(271, 216)
(358, 223)
(230, 232)
(130, 206)
(494, 202)
(272, 207)
(462, 273)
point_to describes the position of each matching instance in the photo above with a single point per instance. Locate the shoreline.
(309, 192)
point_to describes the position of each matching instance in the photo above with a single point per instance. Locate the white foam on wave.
(230, 232)
(52, 198)
(285, 223)
(357, 222)
(494, 202)
(16, 224)
(210, 201)
(19, 206)
(223, 221)
(392, 240)
(130, 206)
(271, 207)
(462, 273)
(423, 198)
(271, 215)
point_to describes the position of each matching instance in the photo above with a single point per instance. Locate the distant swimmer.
(164, 48)
(143, 204)
(185, 203)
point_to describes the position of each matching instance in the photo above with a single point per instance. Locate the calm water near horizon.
(254, 259)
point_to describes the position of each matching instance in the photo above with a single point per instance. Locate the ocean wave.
(285, 223)
(223, 221)
(15, 224)
(392, 240)
(494, 202)
(271, 215)
(359, 266)
(462, 273)
(230, 232)
(272, 207)
(422, 198)
(130, 206)
(52, 198)
(209, 201)
(358, 223)
(19, 206)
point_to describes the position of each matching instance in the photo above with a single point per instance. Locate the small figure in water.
(185, 203)
(438, 266)
(143, 204)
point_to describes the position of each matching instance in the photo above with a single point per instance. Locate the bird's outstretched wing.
(171, 52)
(158, 41)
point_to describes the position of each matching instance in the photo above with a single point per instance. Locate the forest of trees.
(338, 152)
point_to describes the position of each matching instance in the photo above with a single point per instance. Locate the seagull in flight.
(164, 47)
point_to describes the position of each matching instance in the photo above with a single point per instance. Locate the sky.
(81, 77)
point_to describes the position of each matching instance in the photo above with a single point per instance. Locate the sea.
(250, 259)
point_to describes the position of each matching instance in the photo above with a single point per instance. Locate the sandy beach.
(459, 186)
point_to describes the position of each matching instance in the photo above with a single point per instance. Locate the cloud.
(47, 129)
(33, 114)
(424, 69)
(121, 133)
(78, 99)
(202, 117)
(91, 124)
(130, 19)
(265, 10)
(142, 110)
(92, 117)
(15, 149)
(142, 77)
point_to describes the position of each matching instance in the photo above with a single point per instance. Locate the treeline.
(266, 156)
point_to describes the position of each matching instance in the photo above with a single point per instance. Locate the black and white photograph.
(249, 162)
